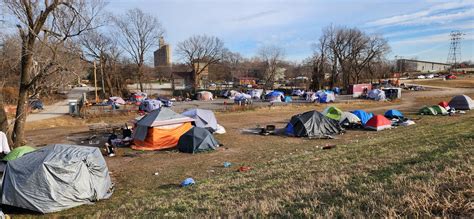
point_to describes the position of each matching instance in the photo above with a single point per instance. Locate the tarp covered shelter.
(325, 96)
(150, 105)
(197, 140)
(461, 102)
(363, 116)
(116, 100)
(18, 152)
(427, 111)
(255, 93)
(312, 124)
(376, 94)
(440, 110)
(393, 114)
(275, 96)
(378, 123)
(204, 95)
(348, 117)
(160, 129)
(333, 112)
(55, 178)
(202, 118)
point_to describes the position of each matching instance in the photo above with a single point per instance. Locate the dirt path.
(59, 108)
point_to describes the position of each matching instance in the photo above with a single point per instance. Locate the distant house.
(408, 65)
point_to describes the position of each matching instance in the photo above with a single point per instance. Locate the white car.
(430, 76)
(421, 77)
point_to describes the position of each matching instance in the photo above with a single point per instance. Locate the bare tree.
(272, 57)
(47, 21)
(199, 52)
(140, 32)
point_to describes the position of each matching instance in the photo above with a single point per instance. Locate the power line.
(454, 55)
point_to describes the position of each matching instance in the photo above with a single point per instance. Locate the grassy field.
(421, 170)
(462, 82)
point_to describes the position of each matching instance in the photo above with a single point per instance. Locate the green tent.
(440, 110)
(428, 111)
(333, 113)
(18, 152)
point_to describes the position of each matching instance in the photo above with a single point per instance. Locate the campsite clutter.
(456, 105)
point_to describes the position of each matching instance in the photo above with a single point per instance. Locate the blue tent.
(288, 99)
(391, 114)
(275, 94)
(363, 116)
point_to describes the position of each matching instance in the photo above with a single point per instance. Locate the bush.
(10, 95)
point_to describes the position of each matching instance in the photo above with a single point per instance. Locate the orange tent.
(160, 129)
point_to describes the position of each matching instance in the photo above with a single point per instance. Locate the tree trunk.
(140, 77)
(4, 121)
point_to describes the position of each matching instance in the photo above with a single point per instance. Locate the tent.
(297, 92)
(312, 124)
(197, 140)
(349, 118)
(393, 114)
(333, 113)
(310, 96)
(440, 110)
(150, 105)
(18, 152)
(275, 96)
(242, 98)
(427, 111)
(376, 94)
(116, 100)
(160, 129)
(202, 118)
(461, 102)
(378, 122)
(255, 94)
(139, 96)
(444, 104)
(56, 177)
(363, 116)
(325, 96)
(204, 95)
(288, 99)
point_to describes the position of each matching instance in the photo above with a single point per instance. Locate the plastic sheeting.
(56, 178)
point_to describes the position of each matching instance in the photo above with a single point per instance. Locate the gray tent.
(196, 140)
(461, 102)
(203, 118)
(159, 117)
(55, 178)
(312, 124)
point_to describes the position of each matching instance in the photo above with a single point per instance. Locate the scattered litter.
(188, 182)
(156, 174)
(244, 168)
(227, 164)
(328, 146)
(462, 112)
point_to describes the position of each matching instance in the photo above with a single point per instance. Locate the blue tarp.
(275, 94)
(393, 114)
(363, 116)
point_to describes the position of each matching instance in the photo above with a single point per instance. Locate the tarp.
(274, 96)
(312, 124)
(348, 117)
(242, 97)
(18, 152)
(440, 110)
(202, 118)
(393, 114)
(363, 116)
(161, 137)
(376, 94)
(378, 123)
(326, 96)
(158, 118)
(255, 93)
(197, 140)
(461, 102)
(297, 92)
(427, 111)
(55, 178)
(150, 105)
(333, 112)
(204, 95)
(444, 104)
(116, 100)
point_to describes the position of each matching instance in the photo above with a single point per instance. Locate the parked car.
(421, 77)
(430, 76)
(451, 77)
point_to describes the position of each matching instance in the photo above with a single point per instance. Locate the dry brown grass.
(463, 82)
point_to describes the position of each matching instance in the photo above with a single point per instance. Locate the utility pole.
(95, 83)
(454, 54)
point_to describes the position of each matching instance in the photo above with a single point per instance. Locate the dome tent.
(461, 102)
(312, 124)
(160, 129)
(427, 111)
(197, 140)
(378, 123)
(204, 95)
(440, 110)
(349, 118)
(363, 116)
(333, 112)
(202, 118)
(444, 104)
(376, 94)
(18, 152)
(275, 96)
(393, 114)
(55, 178)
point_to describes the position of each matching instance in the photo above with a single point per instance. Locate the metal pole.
(95, 83)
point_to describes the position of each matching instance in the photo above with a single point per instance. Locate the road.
(59, 108)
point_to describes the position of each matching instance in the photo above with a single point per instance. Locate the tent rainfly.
(197, 140)
(312, 124)
(202, 118)
(462, 102)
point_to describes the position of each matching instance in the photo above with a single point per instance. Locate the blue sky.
(414, 29)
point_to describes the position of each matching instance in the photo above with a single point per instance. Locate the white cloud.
(436, 38)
